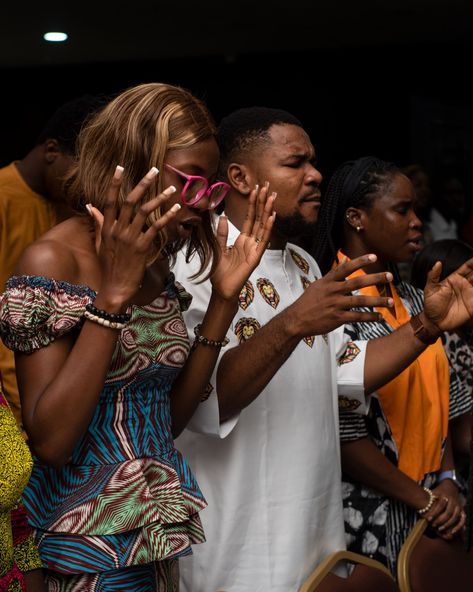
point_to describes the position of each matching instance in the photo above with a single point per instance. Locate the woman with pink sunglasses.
(106, 374)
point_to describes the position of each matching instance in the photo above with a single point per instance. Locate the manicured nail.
(274, 195)
(389, 277)
(390, 302)
(151, 174)
(88, 207)
(170, 190)
(118, 172)
(256, 187)
(372, 257)
(176, 208)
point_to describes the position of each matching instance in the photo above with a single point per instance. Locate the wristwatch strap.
(421, 332)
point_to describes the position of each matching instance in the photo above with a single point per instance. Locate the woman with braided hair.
(396, 461)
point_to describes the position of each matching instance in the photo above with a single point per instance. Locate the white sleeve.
(206, 418)
(350, 359)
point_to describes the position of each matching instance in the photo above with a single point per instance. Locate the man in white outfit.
(264, 441)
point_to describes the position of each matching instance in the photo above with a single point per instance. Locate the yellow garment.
(24, 216)
(15, 469)
(415, 403)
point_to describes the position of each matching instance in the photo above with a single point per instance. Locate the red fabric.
(13, 575)
(20, 528)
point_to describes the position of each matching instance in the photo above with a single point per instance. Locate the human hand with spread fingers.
(448, 304)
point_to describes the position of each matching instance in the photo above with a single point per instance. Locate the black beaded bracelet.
(108, 316)
(205, 341)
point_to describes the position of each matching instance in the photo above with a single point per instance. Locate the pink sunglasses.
(197, 187)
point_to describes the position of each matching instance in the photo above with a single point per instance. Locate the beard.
(294, 227)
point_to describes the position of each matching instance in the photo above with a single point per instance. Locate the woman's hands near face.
(238, 261)
(123, 240)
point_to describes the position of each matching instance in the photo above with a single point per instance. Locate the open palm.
(238, 261)
(448, 304)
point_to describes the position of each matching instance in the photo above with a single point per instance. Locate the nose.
(313, 175)
(415, 222)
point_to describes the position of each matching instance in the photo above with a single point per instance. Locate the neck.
(355, 248)
(31, 170)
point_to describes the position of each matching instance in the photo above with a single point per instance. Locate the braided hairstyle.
(356, 183)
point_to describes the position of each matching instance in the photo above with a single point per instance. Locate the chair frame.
(406, 552)
(327, 565)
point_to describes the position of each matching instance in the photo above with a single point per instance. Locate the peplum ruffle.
(99, 517)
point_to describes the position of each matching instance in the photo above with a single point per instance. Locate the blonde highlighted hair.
(136, 130)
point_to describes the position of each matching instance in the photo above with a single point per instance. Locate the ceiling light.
(55, 36)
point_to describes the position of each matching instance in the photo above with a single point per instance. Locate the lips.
(415, 242)
(312, 198)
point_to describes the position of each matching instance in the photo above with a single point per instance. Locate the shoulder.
(53, 255)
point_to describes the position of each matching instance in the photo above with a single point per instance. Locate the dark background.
(364, 78)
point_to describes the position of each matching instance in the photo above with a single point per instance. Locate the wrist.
(432, 499)
(113, 304)
(448, 475)
(423, 329)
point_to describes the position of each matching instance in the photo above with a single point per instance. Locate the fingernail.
(274, 195)
(372, 257)
(176, 208)
(153, 171)
(266, 184)
(88, 207)
(390, 301)
(274, 215)
(256, 187)
(118, 172)
(170, 190)
(389, 277)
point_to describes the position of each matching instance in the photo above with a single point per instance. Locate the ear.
(354, 218)
(240, 178)
(51, 150)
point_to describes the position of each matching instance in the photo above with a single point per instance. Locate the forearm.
(58, 416)
(448, 462)
(190, 385)
(365, 463)
(387, 357)
(245, 370)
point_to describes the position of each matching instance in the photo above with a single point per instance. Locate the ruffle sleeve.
(34, 311)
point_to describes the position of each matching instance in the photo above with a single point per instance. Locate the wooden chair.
(368, 575)
(433, 564)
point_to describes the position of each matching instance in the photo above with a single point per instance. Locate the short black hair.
(242, 129)
(67, 121)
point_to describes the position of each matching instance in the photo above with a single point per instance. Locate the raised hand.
(125, 241)
(238, 261)
(328, 302)
(448, 304)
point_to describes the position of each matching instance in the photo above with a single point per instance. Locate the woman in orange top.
(397, 461)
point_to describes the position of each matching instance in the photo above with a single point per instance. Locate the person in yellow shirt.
(31, 202)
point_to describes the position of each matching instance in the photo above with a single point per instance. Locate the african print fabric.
(17, 551)
(459, 350)
(375, 525)
(127, 496)
(162, 576)
(271, 473)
